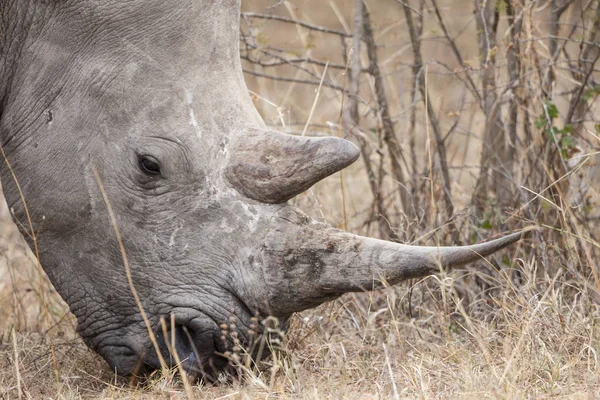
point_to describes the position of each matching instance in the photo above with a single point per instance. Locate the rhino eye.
(149, 165)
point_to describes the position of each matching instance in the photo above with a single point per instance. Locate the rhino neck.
(22, 24)
(15, 27)
(181, 48)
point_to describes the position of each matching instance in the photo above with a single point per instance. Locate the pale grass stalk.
(339, 16)
(388, 28)
(472, 330)
(17, 370)
(274, 370)
(134, 292)
(363, 58)
(389, 367)
(445, 283)
(299, 30)
(538, 194)
(526, 329)
(590, 350)
(585, 242)
(339, 134)
(547, 200)
(18, 303)
(269, 102)
(343, 194)
(392, 57)
(597, 137)
(314, 105)
(173, 350)
(317, 204)
(428, 149)
(565, 232)
(584, 245)
(292, 86)
(227, 396)
(40, 271)
(308, 54)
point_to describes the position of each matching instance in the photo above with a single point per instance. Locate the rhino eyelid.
(149, 165)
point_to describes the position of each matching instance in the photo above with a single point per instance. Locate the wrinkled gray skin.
(90, 84)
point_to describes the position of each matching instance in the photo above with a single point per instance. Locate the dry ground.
(536, 340)
(528, 329)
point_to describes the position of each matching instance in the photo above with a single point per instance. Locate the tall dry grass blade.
(40, 271)
(17, 369)
(173, 350)
(585, 242)
(391, 372)
(353, 59)
(474, 332)
(134, 292)
(314, 105)
(549, 186)
(429, 156)
(344, 206)
(291, 87)
(525, 332)
(575, 225)
(269, 102)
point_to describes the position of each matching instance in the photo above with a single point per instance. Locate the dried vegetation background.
(474, 117)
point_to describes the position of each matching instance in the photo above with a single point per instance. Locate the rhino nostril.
(189, 342)
(196, 356)
(178, 339)
(192, 354)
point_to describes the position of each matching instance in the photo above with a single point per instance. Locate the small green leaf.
(500, 6)
(453, 328)
(551, 109)
(550, 132)
(591, 93)
(486, 224)
(311, 42)
(540, 122)
(567, 142)
(597, 126)
(262, 39)
(546, 206)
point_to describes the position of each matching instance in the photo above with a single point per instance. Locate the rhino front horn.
(273, 167)
(306, 263)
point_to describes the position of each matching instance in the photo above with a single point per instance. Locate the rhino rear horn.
(273, 167)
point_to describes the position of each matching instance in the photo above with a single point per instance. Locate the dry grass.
(537, 339)
(526, 329)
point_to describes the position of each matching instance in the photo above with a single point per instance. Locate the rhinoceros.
(141, 106)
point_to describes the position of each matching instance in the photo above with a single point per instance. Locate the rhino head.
(150, 94)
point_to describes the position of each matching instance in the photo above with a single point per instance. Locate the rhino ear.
(273, 167)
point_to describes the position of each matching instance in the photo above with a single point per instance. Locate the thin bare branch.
(296, 22)
(455, 50)
(433, 119)
(389, 135)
